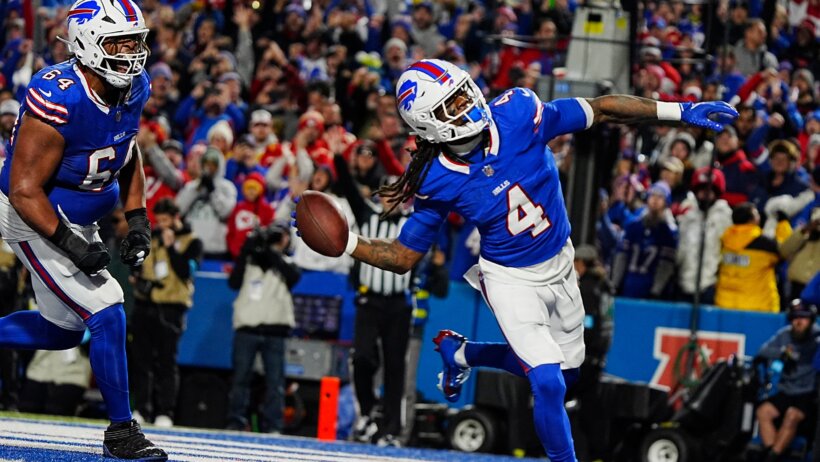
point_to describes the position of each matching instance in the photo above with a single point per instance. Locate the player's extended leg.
(524, 314)
(29, 330)
(68, 298)
(551, 421)
(124, 438)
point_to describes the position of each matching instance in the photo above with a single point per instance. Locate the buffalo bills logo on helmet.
(84, 11)
(407, 94)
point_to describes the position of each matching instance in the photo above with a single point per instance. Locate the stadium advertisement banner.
(650, 339)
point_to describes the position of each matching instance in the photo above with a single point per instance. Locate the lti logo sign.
(713, 346)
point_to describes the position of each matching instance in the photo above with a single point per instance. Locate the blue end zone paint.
(281, 443)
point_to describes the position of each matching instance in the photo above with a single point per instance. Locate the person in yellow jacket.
(746, 277)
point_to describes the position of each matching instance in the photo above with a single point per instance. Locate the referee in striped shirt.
(382, 313)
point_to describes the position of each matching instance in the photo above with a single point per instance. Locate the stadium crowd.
(254, 102)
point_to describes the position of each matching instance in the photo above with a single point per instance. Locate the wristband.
(668, 111)
(138, 221)
(352, 242)
(60, 233)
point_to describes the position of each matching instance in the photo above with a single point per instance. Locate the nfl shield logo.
(488, 170)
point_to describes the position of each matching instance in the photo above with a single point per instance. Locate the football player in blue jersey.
(71, 159)
(489, 163)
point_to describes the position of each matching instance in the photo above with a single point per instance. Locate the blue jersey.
(98, 139)
(512, 193)
(645, 247)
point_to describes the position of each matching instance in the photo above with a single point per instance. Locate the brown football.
(321, 223)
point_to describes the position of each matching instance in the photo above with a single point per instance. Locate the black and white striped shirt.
(377, 280)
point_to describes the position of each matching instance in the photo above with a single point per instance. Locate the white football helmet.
(423, 93)
(92, 22)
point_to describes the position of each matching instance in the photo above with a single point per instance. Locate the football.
(321, 223)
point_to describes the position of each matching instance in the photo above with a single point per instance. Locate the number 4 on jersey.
(523, 214)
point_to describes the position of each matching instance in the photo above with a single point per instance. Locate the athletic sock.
(551, 421)
(497, 355)
(29, 330)
(108, 360)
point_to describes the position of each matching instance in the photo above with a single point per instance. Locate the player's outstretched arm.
(627, 109)
(387, 254)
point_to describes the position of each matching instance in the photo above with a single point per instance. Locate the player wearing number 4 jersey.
(72, 158)
(489, 163)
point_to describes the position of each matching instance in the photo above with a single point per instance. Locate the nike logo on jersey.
(118, 136)
(47, 94)
(501, 187)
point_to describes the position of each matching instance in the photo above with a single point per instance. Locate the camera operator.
(262, 318)
(794, 400)
(163, 292)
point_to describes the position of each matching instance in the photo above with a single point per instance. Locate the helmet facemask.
(466, 120)
(118, 69)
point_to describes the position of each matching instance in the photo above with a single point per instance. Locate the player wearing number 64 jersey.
(72, 158)
(490, 163)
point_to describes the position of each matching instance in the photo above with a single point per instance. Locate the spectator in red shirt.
(251, 212)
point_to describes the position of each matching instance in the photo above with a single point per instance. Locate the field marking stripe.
(191, 450)
(39, 430)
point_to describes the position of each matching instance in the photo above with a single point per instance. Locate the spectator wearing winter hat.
(810, 128)
(9, 109)
(207, 202)
(784, 156)
(395, 57)
(672, 172)
(741, 175)
(746, 278)
(645, 262)
(751, 52)
(221, 137)
(703, 203)
(243, 163)
(252, 211)
(164, 98)
(261, 128)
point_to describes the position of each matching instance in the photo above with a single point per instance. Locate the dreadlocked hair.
(410, 181)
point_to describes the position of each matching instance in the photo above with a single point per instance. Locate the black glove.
(207, 182)
(91, 258)
(137, 244)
